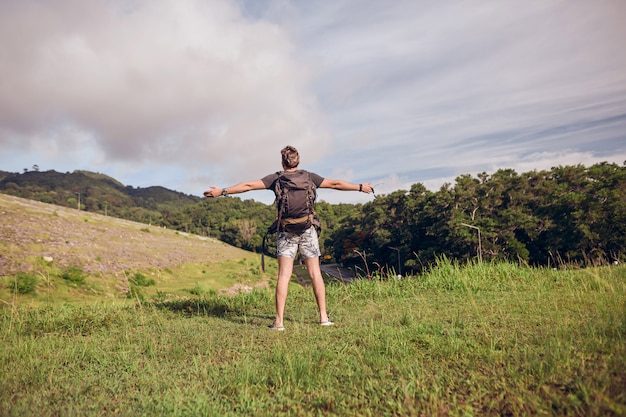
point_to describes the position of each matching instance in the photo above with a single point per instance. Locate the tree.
(247, 230)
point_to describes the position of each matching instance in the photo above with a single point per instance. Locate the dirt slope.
(30, 230)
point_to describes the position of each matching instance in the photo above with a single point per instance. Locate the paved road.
(338, 272)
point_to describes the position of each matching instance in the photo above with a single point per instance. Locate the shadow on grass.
(238, 309)
(197, 307)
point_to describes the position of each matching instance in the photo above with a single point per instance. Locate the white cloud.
(466, 87)
(198, 92)
(184, 83)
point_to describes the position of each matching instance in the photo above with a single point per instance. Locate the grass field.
(460, 340)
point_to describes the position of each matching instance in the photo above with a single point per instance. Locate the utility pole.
(480, 248)
(398, 251)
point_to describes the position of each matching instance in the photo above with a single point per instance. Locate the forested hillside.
(94, 192)
(569, 214)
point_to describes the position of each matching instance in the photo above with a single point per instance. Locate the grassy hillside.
(475, 340)
(74, 255)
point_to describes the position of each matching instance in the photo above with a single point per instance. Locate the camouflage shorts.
(288, 244)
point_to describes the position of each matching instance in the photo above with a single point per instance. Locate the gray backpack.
(295, 202)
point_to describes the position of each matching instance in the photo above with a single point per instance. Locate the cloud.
(198, 92)
(185, 83)
(466, 87)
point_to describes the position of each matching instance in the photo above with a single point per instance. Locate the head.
(290, 157)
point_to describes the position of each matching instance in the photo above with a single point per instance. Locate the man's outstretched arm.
(242, 187)
(366, 187)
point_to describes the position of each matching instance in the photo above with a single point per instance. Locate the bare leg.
(285, 268)
(315, 273)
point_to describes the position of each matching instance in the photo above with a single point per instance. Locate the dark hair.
(290, 156)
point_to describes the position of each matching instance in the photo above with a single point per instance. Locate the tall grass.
(478, 339)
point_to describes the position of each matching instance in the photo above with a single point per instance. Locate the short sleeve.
(317, 180)
(269, 180)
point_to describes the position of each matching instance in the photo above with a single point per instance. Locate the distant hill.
(94, 192)
(156, 206)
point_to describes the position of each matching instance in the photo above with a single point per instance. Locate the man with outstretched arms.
(289, 242)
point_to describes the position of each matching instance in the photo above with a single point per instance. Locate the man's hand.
(367, 188)
(213, 192)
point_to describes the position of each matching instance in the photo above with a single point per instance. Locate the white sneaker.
(273, 326)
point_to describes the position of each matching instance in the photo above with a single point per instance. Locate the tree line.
(96, 193)
(568, 214)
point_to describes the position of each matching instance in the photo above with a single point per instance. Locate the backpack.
(295, 201)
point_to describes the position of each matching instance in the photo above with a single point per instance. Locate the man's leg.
(285, 268)
(315, 273)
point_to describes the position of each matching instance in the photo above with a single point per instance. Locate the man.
(288, 242)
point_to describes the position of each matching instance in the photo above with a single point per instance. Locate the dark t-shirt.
(270, 180)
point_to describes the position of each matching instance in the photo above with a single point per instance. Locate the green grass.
(52, 285)
(460, 340)
(25, 283)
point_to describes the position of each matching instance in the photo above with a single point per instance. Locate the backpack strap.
(274, 227)
(263, 249)
(311, 195)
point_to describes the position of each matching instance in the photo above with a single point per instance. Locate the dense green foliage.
(480, 339)
(570, 214)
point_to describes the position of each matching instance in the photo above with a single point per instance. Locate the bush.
(74, 275)
(135, 292)
(140, 280)
(25, 284)
(137, 281)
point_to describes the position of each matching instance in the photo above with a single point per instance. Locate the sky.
(191, 93)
